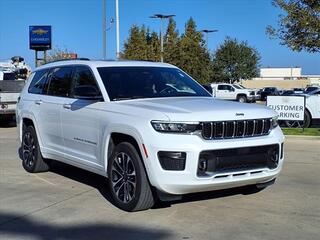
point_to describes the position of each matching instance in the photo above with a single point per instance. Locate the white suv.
(148, 127)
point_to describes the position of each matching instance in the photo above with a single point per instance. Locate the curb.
(303, 136)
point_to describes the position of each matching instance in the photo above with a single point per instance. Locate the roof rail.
(69, 59)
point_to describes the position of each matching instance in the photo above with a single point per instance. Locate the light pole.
(104, 30)
(117, 30)
(161, 16)
(207, 31)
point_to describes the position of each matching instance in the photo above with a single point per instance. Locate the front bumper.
(7, 108)
(188, 181)
(7, 112)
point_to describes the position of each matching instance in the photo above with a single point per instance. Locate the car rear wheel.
(128, 181)
(32, 160)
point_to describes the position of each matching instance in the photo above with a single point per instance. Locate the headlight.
(175, 127)
(274, 122)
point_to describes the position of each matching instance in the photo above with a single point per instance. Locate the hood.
(200, 109)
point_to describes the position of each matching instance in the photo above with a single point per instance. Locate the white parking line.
(42, 179)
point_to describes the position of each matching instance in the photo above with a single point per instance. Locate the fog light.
(273, 158)
(202, 165)
(174, 161)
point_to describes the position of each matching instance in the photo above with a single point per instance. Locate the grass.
(299, 131)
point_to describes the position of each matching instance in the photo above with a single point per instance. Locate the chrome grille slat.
(236, 129)
(223, 129)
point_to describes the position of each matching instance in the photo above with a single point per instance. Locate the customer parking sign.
(288, 107)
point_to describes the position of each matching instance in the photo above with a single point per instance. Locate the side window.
(229, 88)
(60, 83)
(220, 87)
(39, 82)
(83, 78)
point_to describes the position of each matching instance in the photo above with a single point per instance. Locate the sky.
(77, 26)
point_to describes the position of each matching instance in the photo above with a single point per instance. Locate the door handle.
(38, 102)
(67, 106)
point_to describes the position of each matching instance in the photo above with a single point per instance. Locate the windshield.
(310, 89)
(236, 86)
(124, 83)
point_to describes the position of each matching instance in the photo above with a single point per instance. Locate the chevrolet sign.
(40, 37)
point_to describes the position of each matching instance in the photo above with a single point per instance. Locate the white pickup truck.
(228, 91)
(9, 94)
(13, 74)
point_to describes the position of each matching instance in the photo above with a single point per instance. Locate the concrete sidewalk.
(69, 203)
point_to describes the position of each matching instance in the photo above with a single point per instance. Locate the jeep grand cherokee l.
(148, 127)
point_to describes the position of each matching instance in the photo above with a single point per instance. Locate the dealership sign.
(288, 107)
(40, 38)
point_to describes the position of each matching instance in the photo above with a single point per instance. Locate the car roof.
(103, 63)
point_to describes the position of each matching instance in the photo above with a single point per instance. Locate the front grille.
(237, 159)
(236, 129)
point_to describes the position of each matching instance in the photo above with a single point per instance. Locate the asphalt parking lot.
(68, 203)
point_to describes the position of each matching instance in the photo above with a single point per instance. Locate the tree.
(153, 43)
(136, 47)
(234, 61)
(187, 52)
(194, 57)
(299, 29)
(57, 53)
(172, 44)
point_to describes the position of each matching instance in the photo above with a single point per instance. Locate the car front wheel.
(242, 99)
(128, 181)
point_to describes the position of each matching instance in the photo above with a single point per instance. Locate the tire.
(128, 182)
(242, 99)
(32, 160)
(295, 124)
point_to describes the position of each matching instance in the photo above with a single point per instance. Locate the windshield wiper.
(127, 98)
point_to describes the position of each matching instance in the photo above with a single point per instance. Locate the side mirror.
(87, 92)
(231, 90)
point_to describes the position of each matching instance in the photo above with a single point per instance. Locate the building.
(284, 78)
(280, 73)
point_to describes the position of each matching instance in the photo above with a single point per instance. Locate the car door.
(230, 92)
(222, 91)
(36, 99)
(59, 89)
(80, 121)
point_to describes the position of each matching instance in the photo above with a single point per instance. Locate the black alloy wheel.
(128, 180)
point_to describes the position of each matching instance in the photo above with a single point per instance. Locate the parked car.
(287, 93)
(312, 111)
(298, 90)
(9, 94)
(311, 89)
(233, 92)
(257, 95)
(148, 127)
(268, 91)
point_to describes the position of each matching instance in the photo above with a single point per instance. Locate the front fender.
(123, 129)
